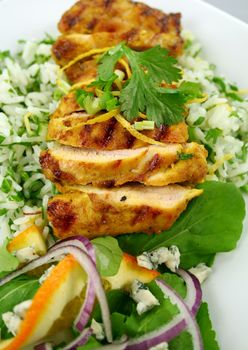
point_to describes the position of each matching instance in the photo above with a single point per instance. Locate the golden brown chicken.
(108, 135)
(121, 16)
(104, 23)
(152, 165)
(92, 212)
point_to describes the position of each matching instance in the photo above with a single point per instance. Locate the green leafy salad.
(135, 291)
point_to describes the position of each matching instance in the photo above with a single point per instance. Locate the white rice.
(28, 84)
(221, 122)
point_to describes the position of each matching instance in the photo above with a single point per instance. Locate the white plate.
(224, 39)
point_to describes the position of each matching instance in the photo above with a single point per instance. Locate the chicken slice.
(93, 212)
(67, 47)
(108, 135)
(123, 17)
(152, 165)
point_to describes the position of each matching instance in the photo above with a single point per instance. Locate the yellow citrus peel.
(213, 168)
(126, 66)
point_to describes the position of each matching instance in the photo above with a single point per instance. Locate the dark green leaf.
(108, 255)
(108, 61)
(13, 293)
(159, 64)
(212, 223)
(207, 332)
(190, 90)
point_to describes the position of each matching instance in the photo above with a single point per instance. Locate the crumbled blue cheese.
(144, 298)
(97, 329)
(168, 256)
(46, 274)
(26, 254)
(13, 319)
(161, 346)
(201, 271)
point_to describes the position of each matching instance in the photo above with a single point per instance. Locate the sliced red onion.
(192, 325)
(80, 340)
(87, 306)
(87, 264)
(163, 334)
(80, 242)
(194, 293)
(172, 329)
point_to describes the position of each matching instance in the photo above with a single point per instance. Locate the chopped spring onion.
(144, 125)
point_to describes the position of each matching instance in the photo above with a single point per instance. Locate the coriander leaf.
(104, 84)
(185, 156)
(141, 95)
(158, 63)
(108, 61)
(211, 223)
(13, 293)
(190, 90)
(108, 255)
(207, 332)
(8, 262)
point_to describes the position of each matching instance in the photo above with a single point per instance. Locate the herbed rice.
(28, 94)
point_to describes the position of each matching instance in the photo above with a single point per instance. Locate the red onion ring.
(80, 242)
(87, 306)
(80, 340)
(194, 293)
(192, 325)
(85, 261)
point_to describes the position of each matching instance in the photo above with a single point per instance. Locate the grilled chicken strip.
(124, 17)
(108, 135)
(92, 212)
(67, 47)
(104, 23)
(152, 165)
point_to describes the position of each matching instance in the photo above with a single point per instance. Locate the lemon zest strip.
(99, 119)
(199, 100)
(84, 55)
(126, 66)
(27, 123)
(213, 168)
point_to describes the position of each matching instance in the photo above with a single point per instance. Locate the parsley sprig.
(144, 92)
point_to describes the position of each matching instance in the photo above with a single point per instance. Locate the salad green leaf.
(212, 223)
(207, 332)
(13, 293)
(108, 255)
(126, 321)
(8, 262)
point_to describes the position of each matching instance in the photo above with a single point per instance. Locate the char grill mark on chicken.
(152, 165)
(137, 182)
(108, 135)
(94, 212)
(124, 17)
(91, 24)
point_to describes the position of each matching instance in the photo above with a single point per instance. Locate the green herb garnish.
(184, 156)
